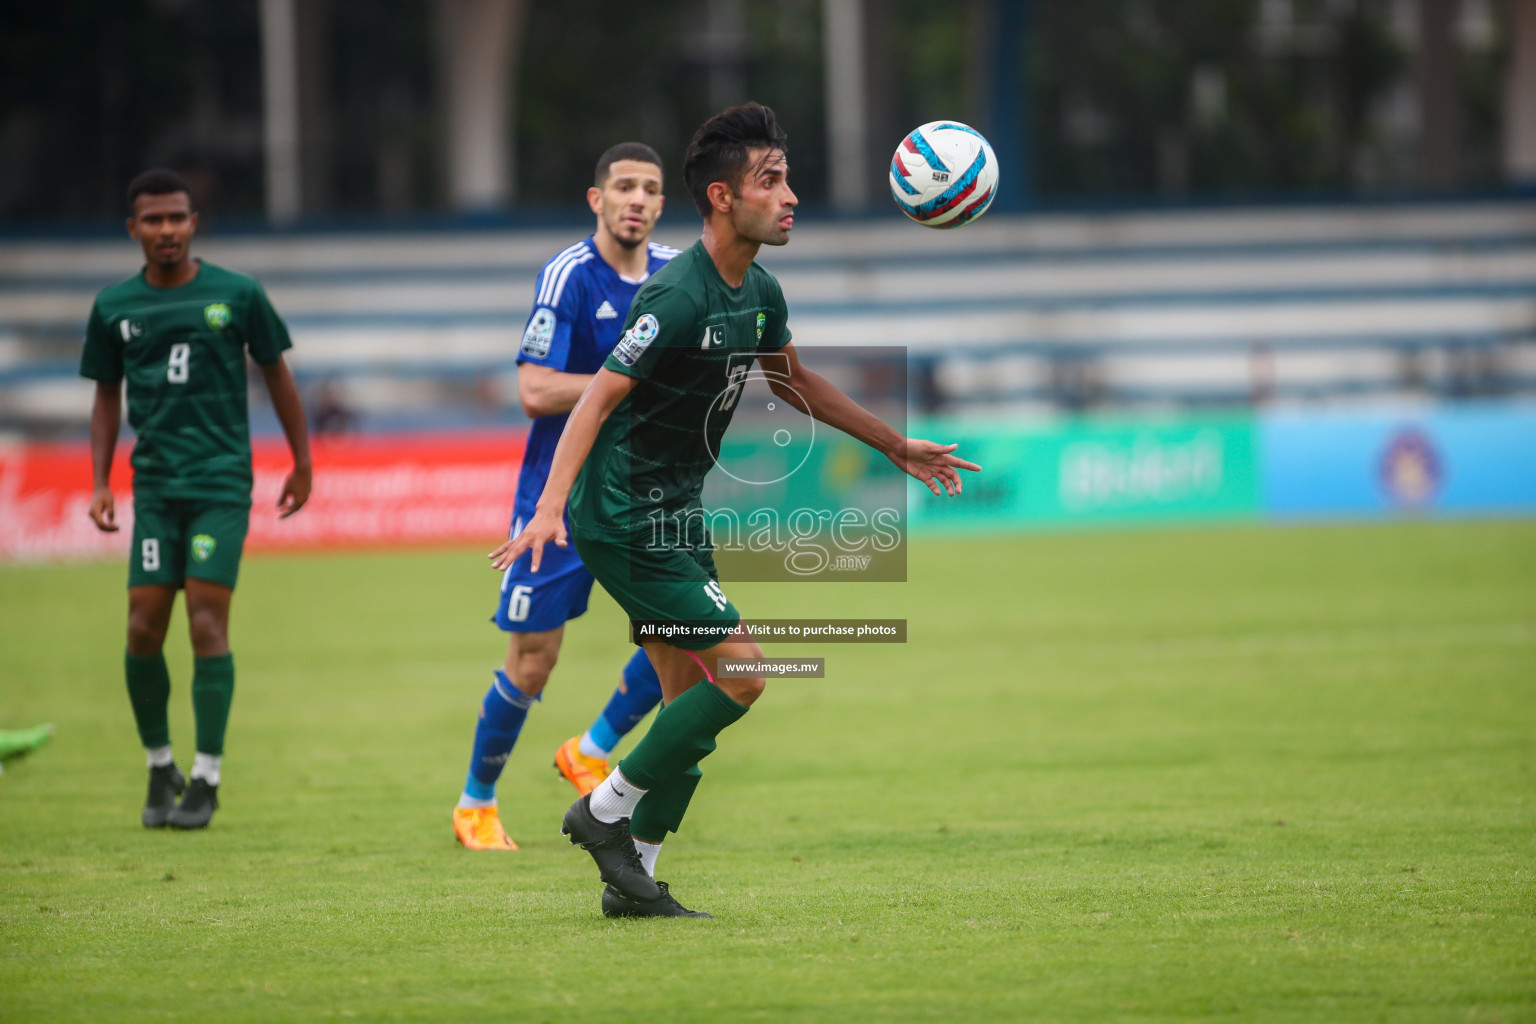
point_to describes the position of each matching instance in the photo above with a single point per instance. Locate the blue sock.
(640, 693)
(501, 719)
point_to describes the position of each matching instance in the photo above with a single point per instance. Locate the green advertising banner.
(830, 495)
(1094, 471)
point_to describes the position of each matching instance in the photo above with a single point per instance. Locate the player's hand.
(104, 510)
(543, 528)
(932, 464)
(295, 491)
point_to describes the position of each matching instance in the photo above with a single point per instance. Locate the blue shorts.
(537, 603)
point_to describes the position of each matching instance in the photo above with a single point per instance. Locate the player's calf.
(583, 760)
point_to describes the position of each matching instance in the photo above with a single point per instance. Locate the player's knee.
(755, 685)
(533, 669)
(743, 689)
(209, 633)
(146, 635)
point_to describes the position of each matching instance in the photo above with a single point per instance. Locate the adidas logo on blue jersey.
(606, 312)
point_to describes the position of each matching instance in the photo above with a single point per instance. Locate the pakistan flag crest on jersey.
(217, 316)
(202, 547)
(762, 321)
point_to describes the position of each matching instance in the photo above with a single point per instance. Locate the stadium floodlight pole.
(1439, 104)
(1520, 95)
(478, 45)
(846, 141)
(1007, 107)
(280, 115)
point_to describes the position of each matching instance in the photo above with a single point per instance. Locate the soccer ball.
(944, 174)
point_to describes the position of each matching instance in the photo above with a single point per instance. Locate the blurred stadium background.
(1248, 258)
(1251, 262)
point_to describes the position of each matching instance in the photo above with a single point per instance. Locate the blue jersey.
(578, 313)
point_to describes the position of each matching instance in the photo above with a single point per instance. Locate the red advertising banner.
(369, 492)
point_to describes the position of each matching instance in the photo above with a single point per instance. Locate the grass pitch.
(1254, 774)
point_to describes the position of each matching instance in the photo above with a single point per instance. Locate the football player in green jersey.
(178, 333)
(636, 450)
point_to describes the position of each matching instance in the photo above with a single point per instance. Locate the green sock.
(213, 686)
(149, 691)
(682, 735)
(661, 810)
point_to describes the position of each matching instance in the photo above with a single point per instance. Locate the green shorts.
(668, 585)
(177, 538)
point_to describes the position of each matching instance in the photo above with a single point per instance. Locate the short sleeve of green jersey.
(265, 333)
(102, 359)
(662, 322)
(776, 332)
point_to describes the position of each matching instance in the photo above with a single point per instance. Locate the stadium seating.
(1035, 313)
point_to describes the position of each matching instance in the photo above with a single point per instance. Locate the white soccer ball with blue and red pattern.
(944, 174)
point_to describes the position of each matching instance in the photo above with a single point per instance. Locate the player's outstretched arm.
(290, 413)
(818, 397)
(547, 526)
(106, 417)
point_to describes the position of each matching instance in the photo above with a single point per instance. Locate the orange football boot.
(583, 772)
(479, 828)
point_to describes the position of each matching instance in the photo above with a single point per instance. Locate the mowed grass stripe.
(1261, 774)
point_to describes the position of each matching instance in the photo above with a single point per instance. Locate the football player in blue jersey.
(582, 297)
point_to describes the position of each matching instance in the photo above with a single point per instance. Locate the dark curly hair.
(159, 181)
(718, 151)
(624, 151)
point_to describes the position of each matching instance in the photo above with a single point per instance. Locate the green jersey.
(182, 351)
(690, 341)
